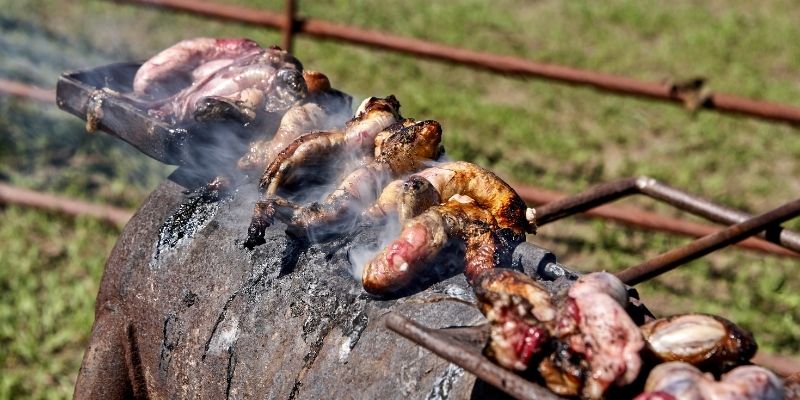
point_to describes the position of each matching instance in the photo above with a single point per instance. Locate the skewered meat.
(518, 310)
(605, 336)
(709, 342)
(681, 381)
(487, 189)
(324, 108)
(188, 61)
(423, 236)
(404, 151)
(592, 343)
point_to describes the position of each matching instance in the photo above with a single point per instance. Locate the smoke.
(360, 254)
(44, 148)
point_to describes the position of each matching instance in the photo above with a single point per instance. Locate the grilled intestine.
(479, 209)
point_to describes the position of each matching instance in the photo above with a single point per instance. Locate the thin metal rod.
(707, 244)
(642, 219)
(288, 28)
(652, 188)
(25, 91)
(487, 61)
(472, 361)
(63, 205)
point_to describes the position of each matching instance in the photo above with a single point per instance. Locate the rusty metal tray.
(189, 144)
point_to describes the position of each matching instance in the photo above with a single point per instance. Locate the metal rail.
(642, 219)
(453, 350)
(487, 61)
(608, 192)
(63, 205)
(26, 91)
(707, 244)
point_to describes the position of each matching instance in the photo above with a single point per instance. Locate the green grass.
(556, 136)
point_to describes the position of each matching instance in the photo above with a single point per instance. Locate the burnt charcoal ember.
(212, 319)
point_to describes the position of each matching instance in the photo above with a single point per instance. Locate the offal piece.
(602, 332)
(423, 237)
(708, 342)
(592, 344)
(373, 116)
(487, 189)
(406, 150)
(324, 108)
(518, 310)
(251, 84)
(186, 62)
(681, 381)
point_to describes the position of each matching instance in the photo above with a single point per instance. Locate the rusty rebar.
(487, 61)
(26, 91)
(642, 219)
(707, 244)
(452, 350)
(650, 187)
(62, 205)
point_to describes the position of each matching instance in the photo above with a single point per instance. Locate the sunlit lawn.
(555, 136)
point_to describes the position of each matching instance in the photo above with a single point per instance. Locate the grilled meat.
(374, 115)
(601, 332)
(487, 189)
(323, 109)
(681, 381)
(411, 144)
(708, 342)
(423, 236)
(519, 311)
(245, 87)
(591, 343)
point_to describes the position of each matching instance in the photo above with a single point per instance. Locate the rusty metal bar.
(25, 91)
(707, 244)
(642, 219)
(288, 28)
(472, 361)
(652, 188)
(62, 205)
(487, 61)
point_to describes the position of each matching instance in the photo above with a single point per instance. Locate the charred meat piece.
(423, 236)
(487, 189)
(374, 115)
(681, 381)
(406, 150)
(518, 310)
(323, 109)
(592, 343)
(708, 342)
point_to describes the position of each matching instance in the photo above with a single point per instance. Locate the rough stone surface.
(200, 316)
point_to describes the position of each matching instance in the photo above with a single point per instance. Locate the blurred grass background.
(556, 136)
